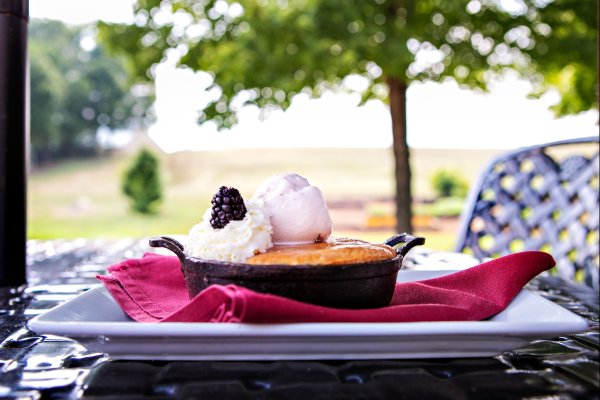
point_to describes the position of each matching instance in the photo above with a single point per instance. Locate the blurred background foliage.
(76, 88)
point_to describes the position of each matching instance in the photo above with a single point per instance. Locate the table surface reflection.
(33, 366)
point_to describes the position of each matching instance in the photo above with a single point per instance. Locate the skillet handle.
(170, 244)
(408, 241)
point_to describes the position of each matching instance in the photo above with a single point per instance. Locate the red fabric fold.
(152, 289)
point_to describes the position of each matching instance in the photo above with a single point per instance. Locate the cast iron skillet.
(363, 285)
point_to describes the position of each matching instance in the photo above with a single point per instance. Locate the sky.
(439, 115)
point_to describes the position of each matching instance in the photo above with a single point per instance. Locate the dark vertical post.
(14, 16)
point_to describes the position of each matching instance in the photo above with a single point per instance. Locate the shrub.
(448, 183)
(141, 183)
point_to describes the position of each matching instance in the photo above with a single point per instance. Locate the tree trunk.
(402, 174)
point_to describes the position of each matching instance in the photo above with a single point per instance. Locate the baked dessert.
(334, 251)
(285, 222)
(279, 242)
(354, 283)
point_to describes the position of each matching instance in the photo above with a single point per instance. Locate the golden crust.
(335, 251)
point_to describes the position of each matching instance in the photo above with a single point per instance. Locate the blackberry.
(227, 205)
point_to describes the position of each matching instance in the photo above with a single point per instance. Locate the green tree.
(264, 52)
(141, 183)
(74, 91)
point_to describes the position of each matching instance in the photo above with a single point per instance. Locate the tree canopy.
(564, 50)
(75, 89)
(262, 53)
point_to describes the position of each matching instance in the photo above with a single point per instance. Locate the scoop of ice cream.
(235, 242)
(297, 210)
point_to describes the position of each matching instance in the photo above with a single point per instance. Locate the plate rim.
(43, 323)
(130, 340)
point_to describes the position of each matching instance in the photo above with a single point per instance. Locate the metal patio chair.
(539, 198)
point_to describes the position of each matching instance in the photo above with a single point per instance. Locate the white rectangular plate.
(97, 322)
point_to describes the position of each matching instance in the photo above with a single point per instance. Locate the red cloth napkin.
(152, 289)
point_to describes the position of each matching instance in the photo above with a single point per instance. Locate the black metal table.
(52, 367)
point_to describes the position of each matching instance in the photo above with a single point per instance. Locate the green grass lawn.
(83, 198)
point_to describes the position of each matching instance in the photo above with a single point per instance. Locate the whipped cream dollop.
(237, 241)
(296, 209)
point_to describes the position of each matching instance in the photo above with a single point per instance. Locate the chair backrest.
(539, 198)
